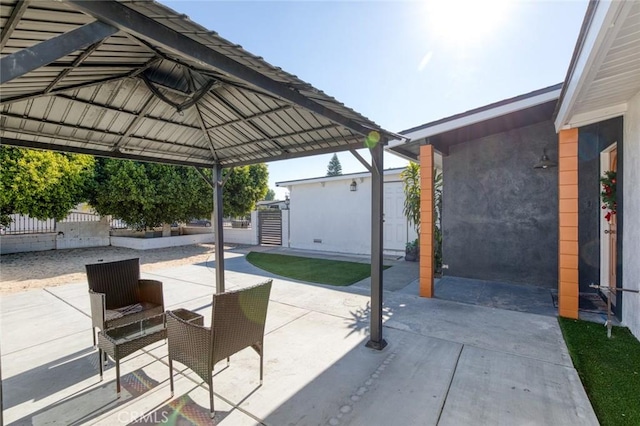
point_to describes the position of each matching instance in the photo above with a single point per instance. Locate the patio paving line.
(64, 301)
(453, 375)
(471, 345)
(181, 280)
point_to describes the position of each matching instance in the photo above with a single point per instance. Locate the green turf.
(322, 271)
(609, 369)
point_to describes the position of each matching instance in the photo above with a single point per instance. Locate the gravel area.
(27, 271)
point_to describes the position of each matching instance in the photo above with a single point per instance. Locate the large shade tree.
(146, 195)
(41, 184)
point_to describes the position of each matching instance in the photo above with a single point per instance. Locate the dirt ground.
(27, 271)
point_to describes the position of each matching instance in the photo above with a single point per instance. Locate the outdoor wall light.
(544, 162)
(287, 201)
(354, 186)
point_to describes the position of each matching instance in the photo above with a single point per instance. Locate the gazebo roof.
(135, 79)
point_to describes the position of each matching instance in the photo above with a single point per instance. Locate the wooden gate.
(270, 227)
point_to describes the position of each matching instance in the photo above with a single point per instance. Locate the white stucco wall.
(82, 234)
(328, 216)
(164, 242)
(248, 236)
(329, 212)
(68, 235)
(631, 234)
(21, 243)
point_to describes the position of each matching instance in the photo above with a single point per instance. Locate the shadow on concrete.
(53, 377)
(91, 402)
(360, 320)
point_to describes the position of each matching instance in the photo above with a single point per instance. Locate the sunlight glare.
(464, 22)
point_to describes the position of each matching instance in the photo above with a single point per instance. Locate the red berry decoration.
(608, 193)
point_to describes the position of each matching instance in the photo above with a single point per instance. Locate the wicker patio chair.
(237, 322)
(118, 296)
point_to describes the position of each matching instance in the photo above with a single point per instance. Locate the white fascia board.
(597, 41)
(349, 176)
(595, 116)
(484, 115)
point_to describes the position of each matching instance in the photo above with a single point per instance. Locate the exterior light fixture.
(287, 201)
(354, 186)
(544, 162)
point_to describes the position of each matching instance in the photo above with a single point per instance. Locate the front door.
(612, 232)
(608, 229)
(395, 223)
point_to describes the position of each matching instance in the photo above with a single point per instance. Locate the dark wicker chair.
(237, 322)
(118, 296)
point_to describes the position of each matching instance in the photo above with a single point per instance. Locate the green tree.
(271, 195)
(42, 184)
(244, 188)
(146, 195)
(411, 185)
(334, 168)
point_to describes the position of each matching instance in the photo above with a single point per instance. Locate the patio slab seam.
(471, 345)
(178, 279)
(453, 375)
(288, 322)
(64, 301)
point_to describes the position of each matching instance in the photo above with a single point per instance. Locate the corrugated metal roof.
(134, 95)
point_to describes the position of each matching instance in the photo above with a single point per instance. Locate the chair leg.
(100, 362)
(261, 367)
(213, 413)
(117, 378)
(171, 375)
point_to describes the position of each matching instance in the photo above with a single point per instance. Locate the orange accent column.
(426, 221)
(568, 288)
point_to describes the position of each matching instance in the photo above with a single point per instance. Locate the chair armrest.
(98, 308)
(151, 291)
(189, 344)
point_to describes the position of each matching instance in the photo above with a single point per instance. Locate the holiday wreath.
(608, 194)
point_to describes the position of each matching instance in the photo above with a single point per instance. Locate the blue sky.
(401, 64)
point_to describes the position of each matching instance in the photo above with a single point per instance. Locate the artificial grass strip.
(321, 271)
(609, 369)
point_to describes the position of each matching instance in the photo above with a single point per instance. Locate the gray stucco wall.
(500, 215)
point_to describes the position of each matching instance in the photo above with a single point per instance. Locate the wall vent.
(317, 240)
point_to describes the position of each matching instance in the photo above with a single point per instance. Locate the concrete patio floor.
(447, 363)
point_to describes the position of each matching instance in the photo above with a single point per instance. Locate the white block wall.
(631, 218)
(245, 236)
(22, 243)
(82, 234)
(154, 243)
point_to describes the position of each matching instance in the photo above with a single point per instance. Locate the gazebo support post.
(377, 177)
(217, 227)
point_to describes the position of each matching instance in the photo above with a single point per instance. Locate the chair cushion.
(112, 314)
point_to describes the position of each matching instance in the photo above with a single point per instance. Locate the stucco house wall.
(631, 196)
(326, 215)
(500, 215)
